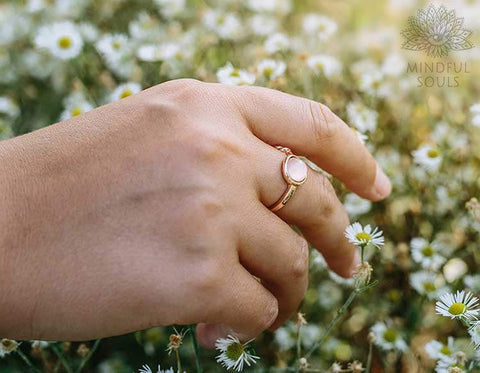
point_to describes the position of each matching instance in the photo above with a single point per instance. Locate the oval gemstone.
(296, 169)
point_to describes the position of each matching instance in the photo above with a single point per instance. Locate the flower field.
(413, 303)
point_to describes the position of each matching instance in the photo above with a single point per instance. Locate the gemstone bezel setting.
(287, 175)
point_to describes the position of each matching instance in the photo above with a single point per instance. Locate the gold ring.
(294, 172)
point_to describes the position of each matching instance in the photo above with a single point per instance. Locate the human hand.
(154, 211)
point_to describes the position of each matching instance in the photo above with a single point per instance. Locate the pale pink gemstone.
(296, 169)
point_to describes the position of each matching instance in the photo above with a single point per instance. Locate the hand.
(152, 211)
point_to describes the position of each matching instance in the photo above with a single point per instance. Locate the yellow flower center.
(445, 350)
(363, 236)
(116, 45)
(390, 335)
(433, 153)
(235, 73)
(235, 351)
(126, 93)
(267, 71)
(76, 111)
(429, 286)
(64, 42)
(457, 308)
(428, 251)
(319, 66)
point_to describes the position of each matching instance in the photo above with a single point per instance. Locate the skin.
(153, 210)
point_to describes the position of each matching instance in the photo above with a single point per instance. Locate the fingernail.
(211, 332)
(383, 187)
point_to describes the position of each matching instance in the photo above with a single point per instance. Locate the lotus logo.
(436, 31)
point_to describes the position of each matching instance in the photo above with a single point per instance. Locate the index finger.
(313, 130)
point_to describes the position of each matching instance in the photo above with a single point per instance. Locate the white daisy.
(284, 338)
(7, 346)
(40, 344)
(426, 253)
(474, 331)
(271, 69)
(448, 364)
(476, 120)
(461, 305)
(125, 90)
(363, 118)
(62, 40)
(454, 269)
(475, 109)
(437, 350)
(232, 76)
(428, 283)
(113, 47)
(323, 64)
(329, 294)
(74, 105)
(158, 52)
(373, 82)
(263, 25)
(147, 369)
(388, 338)
(394, 65)
(356, 205)
(234, 354)
(428, 156)
(270, 6)
(276, 42)
(88, 31)
(171, 8)
(319, 25)
(472, 282)
(364, 236)
(225, 25)
(8, 107)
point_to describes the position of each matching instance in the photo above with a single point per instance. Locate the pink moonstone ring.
(294, 172)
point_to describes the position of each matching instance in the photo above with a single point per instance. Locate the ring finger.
(314, 209)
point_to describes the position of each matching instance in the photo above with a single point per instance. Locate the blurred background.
(61, 58)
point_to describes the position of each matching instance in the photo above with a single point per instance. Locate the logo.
(436, 31)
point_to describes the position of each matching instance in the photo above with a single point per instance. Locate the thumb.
(248, 309)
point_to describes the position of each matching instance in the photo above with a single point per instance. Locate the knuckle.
(182, 86)
(327, 197)
(172, 96)
(321, 121)
(216, 146)
(299, 267)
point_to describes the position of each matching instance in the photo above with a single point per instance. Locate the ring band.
(294, 172)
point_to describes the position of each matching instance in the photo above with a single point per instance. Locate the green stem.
(299, 346)
(369, 358)
(27, 361)
(61, 359)
(332, 324)
(362, 251)
(179, 363)
(195, 349)
(89, 355)
(337, 317)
